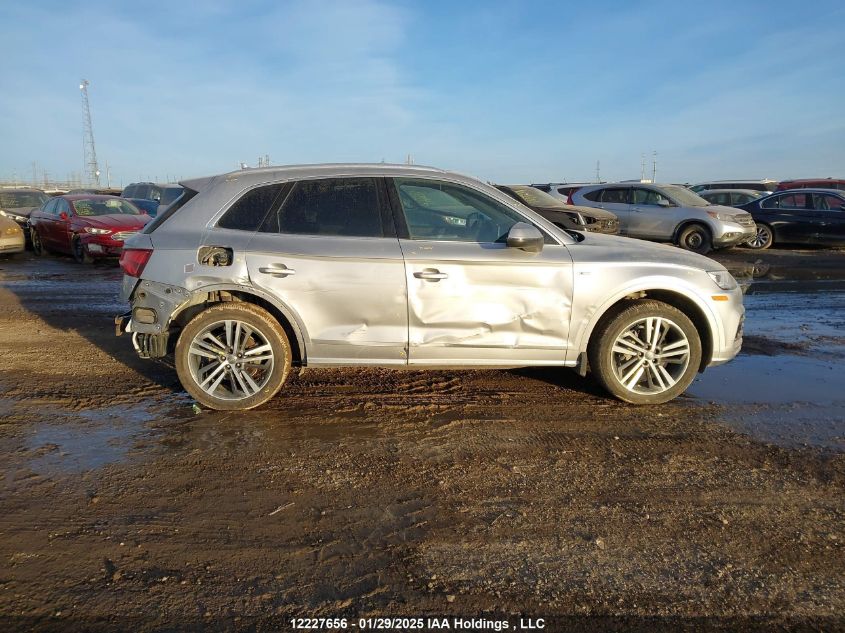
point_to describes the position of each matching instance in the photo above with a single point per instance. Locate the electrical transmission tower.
(89, 151)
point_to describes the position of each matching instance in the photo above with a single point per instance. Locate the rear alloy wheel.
(763, 239)
(648, 353)
(37, 245)
(80, 253)
(695, 238)
(233, 356)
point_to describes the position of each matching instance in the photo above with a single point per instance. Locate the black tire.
(605, 362)
(37, 245)
(80, 254)
(695, 238)
(764, 238)
(259, 320)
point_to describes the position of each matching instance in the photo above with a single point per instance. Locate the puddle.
(794, 397)
(90, 440)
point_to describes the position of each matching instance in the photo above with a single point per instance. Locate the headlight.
(724, 217)
(723, 279)
(93, 231)
(13, 216)
(12, 230)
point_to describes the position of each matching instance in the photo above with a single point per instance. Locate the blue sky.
(506, 91)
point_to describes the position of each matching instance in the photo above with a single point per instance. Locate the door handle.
(277, 270)
(431, 274)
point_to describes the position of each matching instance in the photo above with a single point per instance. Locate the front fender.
(594, 311)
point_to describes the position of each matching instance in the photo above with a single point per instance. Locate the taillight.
(133, 260)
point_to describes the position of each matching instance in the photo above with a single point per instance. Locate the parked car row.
(87, 226)
(700, 218)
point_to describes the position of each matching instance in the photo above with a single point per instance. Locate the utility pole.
(598, 171)
(642, 167)
(654, 166)
(89, 151)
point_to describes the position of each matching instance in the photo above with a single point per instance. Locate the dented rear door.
(331, 256)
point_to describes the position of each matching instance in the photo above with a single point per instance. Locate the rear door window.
(593, 196)
(350, 207)
(648, 197)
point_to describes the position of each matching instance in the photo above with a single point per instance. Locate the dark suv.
(163, 194)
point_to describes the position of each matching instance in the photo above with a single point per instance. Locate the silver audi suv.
(255, 271)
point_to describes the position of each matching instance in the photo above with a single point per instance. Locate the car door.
(788, 215)
(54, 226)
(648, 218)
(62, 233)
(328, 250)
(613, 199)
(829, 213)
(39, 220)
(472, 300)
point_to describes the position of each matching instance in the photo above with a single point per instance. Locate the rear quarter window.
(248, 213)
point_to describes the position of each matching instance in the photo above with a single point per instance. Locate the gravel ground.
(363, 493)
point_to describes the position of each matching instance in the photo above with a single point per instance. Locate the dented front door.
(487, 304)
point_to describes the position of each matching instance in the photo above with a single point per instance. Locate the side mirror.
(664, 203)
(528, 238)
(63, 215)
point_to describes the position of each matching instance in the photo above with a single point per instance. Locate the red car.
(84, 225)
(812, 183)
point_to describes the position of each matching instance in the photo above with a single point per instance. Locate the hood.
(598, 214)
(24, 211)
(7, 223)
(596, 247)
(720, 208)
(115, 222)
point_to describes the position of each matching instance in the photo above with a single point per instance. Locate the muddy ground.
(364, 493)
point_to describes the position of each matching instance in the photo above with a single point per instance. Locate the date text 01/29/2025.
(416, 623)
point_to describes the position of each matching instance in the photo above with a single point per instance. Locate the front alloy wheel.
(233, 356)
(762, 239)
(647, 353)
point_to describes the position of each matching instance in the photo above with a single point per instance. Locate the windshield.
(111, 206)
(16, 199)
(533, 197)
(684, 196)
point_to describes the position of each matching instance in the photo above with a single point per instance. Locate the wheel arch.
(287, 317)
(688, 303)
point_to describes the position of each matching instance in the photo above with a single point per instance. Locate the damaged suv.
(255, 271)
